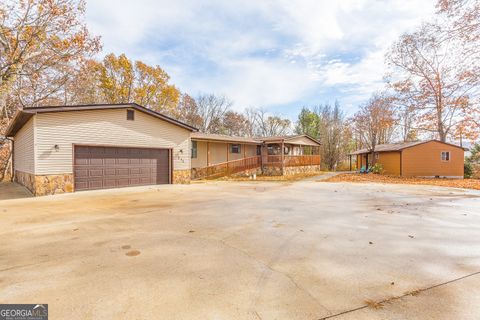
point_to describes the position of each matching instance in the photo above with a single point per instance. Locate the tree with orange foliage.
(42, 42)
(438, 66)
(118, 79)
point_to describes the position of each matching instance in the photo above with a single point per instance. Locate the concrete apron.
(225, 250)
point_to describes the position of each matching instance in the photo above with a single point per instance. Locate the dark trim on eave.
(23, 115)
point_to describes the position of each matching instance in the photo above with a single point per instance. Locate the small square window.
(130, 115)
(445, 155)
(194, 149)
(235, 148)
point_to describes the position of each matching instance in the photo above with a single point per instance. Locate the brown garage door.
(112, 167)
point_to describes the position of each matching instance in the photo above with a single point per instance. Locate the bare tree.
(212, 109)
(333, 133)
(266, 124)
(374, 123)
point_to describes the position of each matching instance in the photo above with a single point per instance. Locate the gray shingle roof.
(397, 146)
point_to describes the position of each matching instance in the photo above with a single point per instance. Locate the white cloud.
(260, 53)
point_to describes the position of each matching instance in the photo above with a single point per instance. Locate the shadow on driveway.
(12, 190)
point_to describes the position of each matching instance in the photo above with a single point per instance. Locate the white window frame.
(194, 153)
(447, 157)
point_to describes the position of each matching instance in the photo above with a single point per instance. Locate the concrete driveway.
(226, 250)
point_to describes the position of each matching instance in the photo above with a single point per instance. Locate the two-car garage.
(97, 167)
(85, 147)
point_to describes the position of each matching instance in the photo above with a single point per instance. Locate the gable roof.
(289, 138)
(398, 146)
(23, 115)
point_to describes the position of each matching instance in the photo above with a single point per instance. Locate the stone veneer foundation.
(287, 171)
(181, 176)
(45, 184)
(301, 169)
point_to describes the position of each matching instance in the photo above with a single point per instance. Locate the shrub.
(377, 168)
(468, 169)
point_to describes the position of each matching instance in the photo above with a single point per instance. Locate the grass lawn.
(362, 178)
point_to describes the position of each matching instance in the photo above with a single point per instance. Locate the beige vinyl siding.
(104, 127)
(201, 160)
(217, 153)
(24, 148)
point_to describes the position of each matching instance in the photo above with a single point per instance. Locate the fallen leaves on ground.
(293, 177)
(454, 183)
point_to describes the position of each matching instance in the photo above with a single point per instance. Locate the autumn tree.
(439, 66)
(235, 124)
(42, 43)
(118, 79)
(187, 111)
(374, 123)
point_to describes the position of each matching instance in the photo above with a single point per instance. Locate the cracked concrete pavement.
(245, 250)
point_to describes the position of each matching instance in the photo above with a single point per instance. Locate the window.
(259, 150)
(286, 150)
(235, 148)
(377, 155)
(194, 149)
(445, 155)
(130, 115)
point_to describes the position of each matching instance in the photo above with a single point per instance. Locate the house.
(83, 147)
(431, 158)
(216, 155)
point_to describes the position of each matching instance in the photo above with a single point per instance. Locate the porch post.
(208, 153)
(227, 157)
(350, 156)
(283, 157)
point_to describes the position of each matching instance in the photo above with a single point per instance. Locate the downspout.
(12, 156)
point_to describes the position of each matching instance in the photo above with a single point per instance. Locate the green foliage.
(468, 169)
(472, 162)
(475, 154)
(377, 168)
(308, 122)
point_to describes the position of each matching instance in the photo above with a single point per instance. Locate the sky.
(278, 55)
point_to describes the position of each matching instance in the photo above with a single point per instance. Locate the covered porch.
(280, 154)
(223, 155)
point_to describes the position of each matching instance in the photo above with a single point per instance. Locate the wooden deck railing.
(292, 161)
(295, 161)
(226, 168)
(231, 167)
